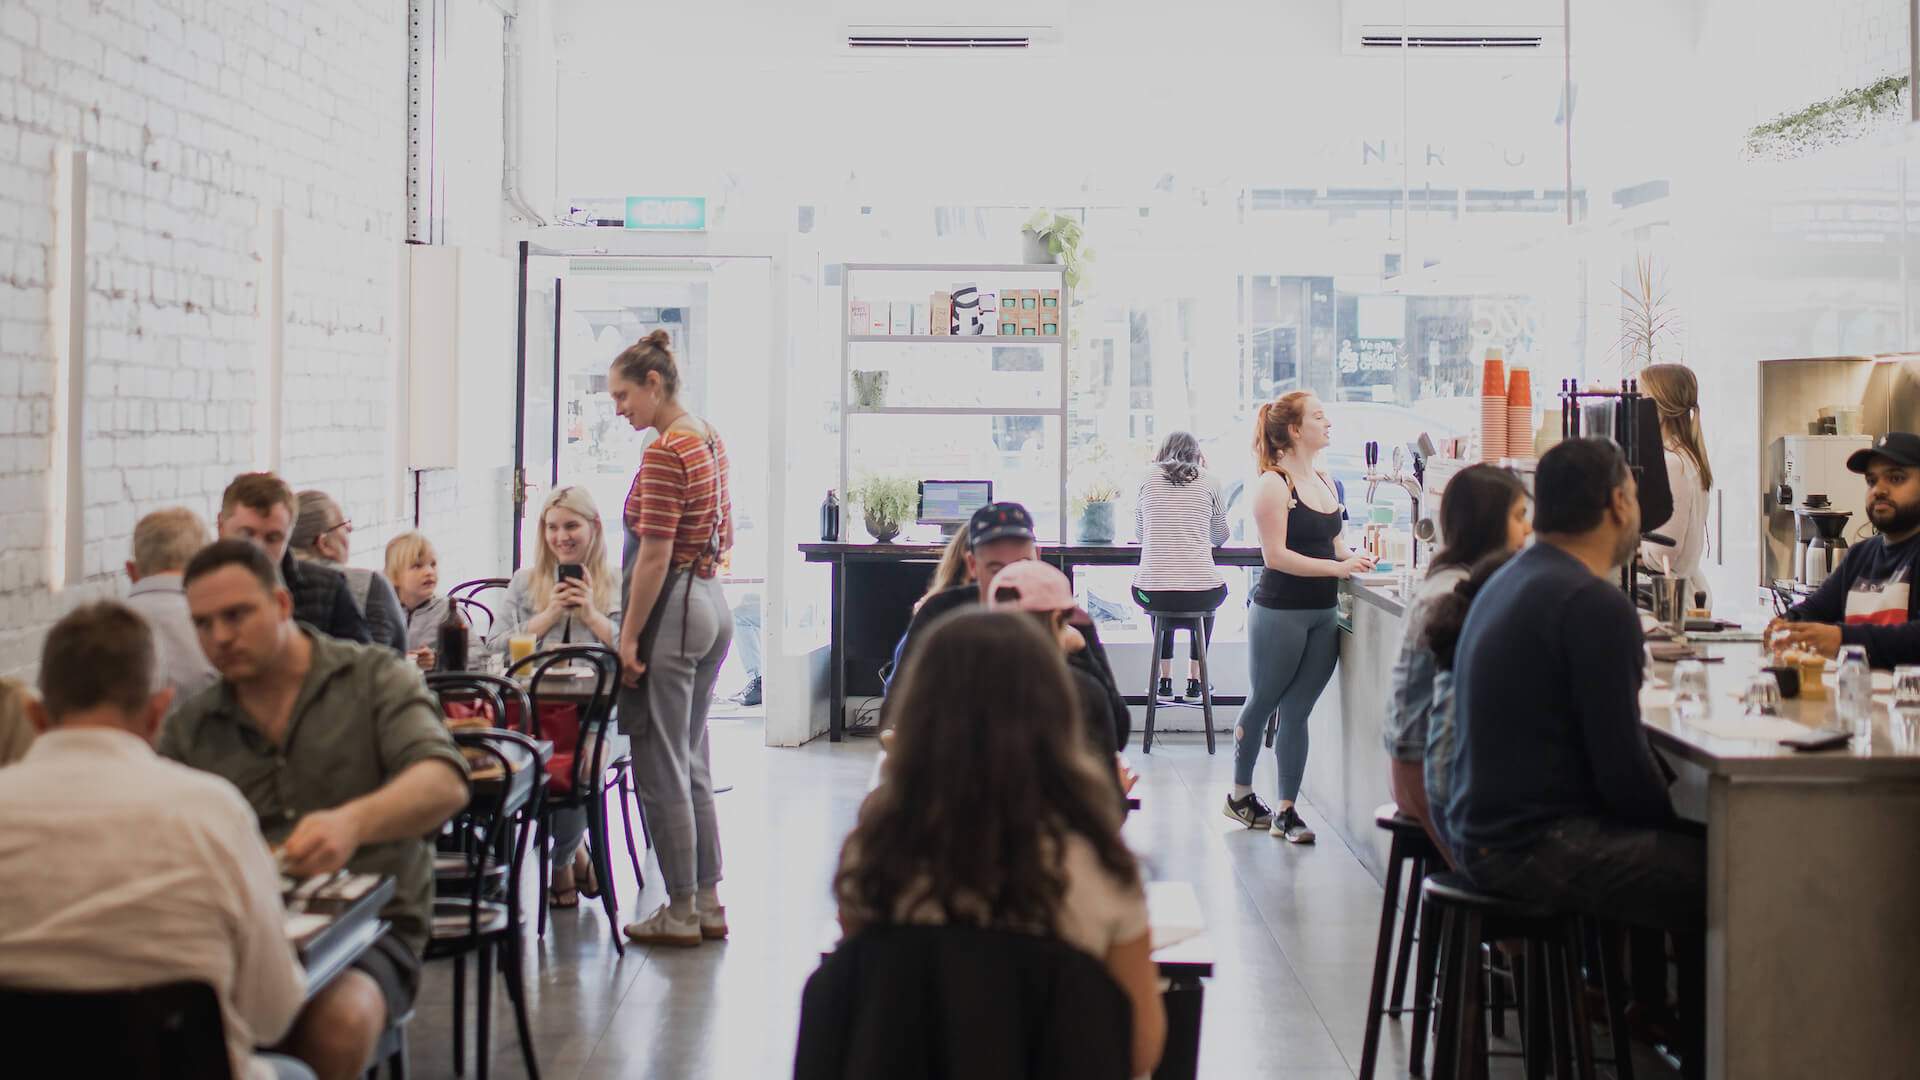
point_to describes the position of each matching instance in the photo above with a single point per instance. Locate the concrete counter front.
(1813, 868)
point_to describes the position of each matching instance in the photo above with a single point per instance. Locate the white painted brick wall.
(200, 116)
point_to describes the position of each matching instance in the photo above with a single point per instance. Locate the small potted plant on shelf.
(1093, 506)
(1056, 238)
(870, 389)
(885, 502)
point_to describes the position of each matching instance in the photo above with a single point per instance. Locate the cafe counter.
(1813, 860)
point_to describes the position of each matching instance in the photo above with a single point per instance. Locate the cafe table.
(332, 922)
(1813, 879)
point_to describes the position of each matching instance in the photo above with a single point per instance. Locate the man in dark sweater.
(1557, 797)
(260, 507)
(1871, 599)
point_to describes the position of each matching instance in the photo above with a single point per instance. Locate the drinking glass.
(519, 647)
(1906, 685)
(1762, 696)
(1903, 726)
(1690, 688)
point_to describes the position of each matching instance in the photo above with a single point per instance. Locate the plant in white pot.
(885, 502)
(1057, 238)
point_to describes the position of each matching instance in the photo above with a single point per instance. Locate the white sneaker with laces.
(663, 928)
(713, 923)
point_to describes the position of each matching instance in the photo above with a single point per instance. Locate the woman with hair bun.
(1180, 517)
(1292, 632)
(679, 522)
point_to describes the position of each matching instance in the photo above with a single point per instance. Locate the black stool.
(1553, 998)
(1165, 625)
(1414, 854)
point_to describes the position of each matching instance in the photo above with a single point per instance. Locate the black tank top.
(1310, 533)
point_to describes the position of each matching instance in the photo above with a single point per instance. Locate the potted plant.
(885, 502)
(1056, 238)
(870, 389)
(1093, 506)
(1647, 319)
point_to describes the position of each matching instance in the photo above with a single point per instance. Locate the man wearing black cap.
(999, 535)
(1870, 600)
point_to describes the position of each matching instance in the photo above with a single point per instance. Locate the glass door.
(536, 405)
(718, 312)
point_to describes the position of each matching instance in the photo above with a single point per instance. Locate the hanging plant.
(1831, 122)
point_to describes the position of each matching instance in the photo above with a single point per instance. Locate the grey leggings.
(1290, 654)
(667, 720)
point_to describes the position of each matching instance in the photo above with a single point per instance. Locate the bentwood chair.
(171, 1031)
(472, 589)
(491, 838)
(575, 714)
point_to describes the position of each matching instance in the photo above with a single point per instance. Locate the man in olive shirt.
(342, 753)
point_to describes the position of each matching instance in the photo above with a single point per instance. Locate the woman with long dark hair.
(992, 812)
(1482, 511)
(1180, 517)
(1444, 623)
(1292, 630)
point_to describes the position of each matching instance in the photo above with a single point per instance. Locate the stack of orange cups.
(1520, 414)
(1493, 407)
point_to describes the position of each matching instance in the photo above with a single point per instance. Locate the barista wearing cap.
(999, 535)
(1870, 600)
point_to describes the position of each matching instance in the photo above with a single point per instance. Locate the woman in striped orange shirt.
(679, 528)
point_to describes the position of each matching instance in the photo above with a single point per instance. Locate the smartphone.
(1817, 739)
(572, 570)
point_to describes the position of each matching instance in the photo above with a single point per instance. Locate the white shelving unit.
(987, 274)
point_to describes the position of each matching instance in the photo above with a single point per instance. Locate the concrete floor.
(1292, 929)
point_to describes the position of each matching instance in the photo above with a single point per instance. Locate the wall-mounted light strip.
(67, 317)
(270, 365)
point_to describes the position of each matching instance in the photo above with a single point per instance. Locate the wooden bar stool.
(1165, 625)
(1413, 857)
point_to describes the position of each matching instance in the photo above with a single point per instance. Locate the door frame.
(795, 702)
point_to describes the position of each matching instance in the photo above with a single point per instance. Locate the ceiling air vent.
(870, 40)
(1415, 40)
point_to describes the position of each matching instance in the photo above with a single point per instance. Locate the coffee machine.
(1819, 540)
(1812, 483)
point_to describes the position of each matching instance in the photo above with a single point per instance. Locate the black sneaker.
(1249, 811)
(1166, 688)
(1193, 689)
(749, 695)
(1288, 826)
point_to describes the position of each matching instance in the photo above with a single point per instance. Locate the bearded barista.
(1870, 600)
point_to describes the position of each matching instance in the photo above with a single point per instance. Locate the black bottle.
(830, 518)
(452, 654)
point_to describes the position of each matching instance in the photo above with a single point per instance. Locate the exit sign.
(667, 213)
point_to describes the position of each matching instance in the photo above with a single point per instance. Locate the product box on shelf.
(920, 320)
(940, 314)
(989, 317)
(859, 316)
(902, 322)
(882, 322)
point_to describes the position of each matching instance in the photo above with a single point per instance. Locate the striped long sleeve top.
(1179, 525)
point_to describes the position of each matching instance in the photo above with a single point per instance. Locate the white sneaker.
(713, 923)
(663, 928)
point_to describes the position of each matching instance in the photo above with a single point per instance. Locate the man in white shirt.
(163, 541)
(120, 869)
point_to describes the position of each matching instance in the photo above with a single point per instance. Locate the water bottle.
(1853, 693)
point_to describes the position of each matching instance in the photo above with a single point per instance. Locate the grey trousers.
(667, 721)
(1290, 657)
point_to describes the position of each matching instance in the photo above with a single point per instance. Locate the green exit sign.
(667, 213)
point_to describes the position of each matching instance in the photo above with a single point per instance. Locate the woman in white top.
(992, 813)
(1677, 395)
(1180, 517)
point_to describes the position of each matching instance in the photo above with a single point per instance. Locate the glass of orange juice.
(519, 647)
